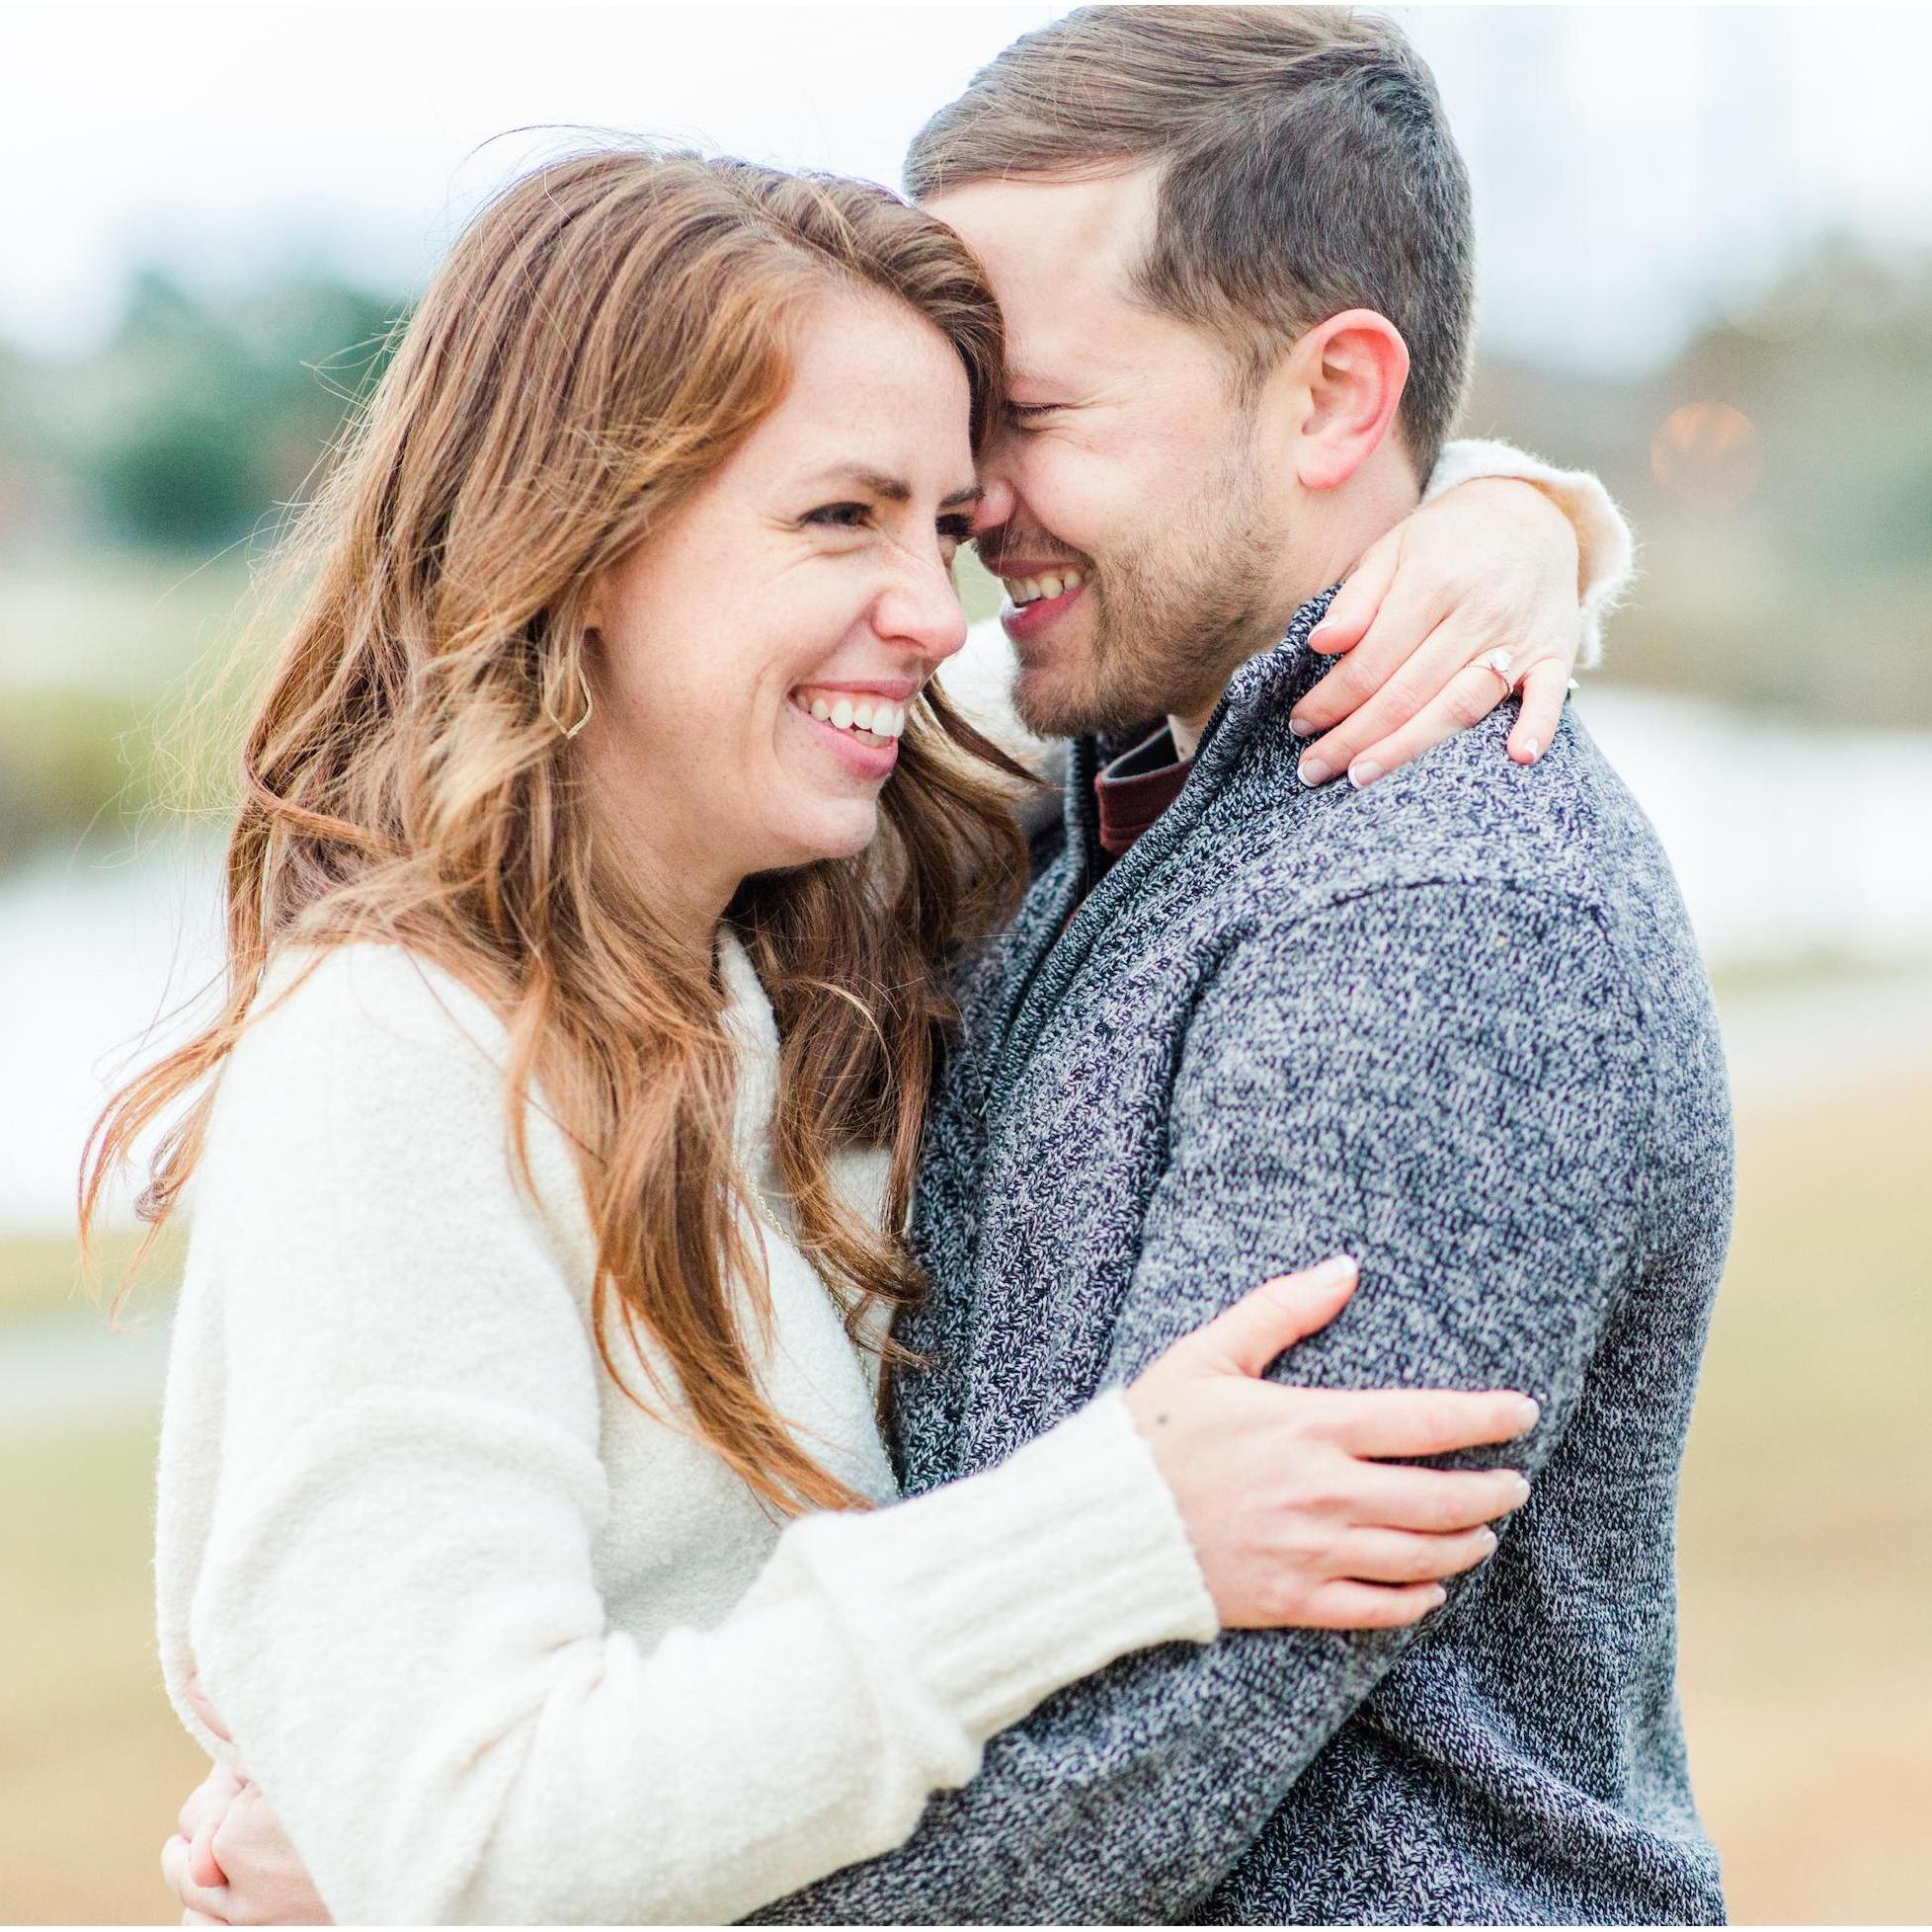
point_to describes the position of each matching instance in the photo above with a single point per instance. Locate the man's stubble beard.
(1171, 618)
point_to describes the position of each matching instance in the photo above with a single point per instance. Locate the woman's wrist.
(1007, 1585)
(1605, 546)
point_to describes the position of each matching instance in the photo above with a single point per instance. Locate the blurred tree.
(1779, 473)
(200, 420)
(1785, 520)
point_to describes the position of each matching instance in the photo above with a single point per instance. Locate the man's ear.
(1347, 377)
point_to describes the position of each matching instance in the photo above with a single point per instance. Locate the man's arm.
(1447, 1081)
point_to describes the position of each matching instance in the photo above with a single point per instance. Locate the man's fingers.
(1356, 603)
(1437, 1500)
(209, 1900)
(1278, 1314)
(1545, 687)
(202, 1865)
(1386, 1423)
(1370, 1606)
(1385, 1556)
(208, 1800)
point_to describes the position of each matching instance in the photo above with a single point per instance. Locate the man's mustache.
(997, 547)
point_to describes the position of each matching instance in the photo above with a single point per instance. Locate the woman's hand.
(1488, 566)
(1296, 1515)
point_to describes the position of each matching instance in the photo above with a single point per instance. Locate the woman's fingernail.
(1438, 1597)
(1319, 636)
(1487, 1537)
(1312, 771)
(1522, 1486)
(1301, 727)
(1532, 750)
(1363, 774)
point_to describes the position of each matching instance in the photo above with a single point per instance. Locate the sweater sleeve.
(1447, 1082)
(1606, 552)
(397, 1611)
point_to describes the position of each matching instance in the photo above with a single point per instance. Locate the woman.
(585, 985)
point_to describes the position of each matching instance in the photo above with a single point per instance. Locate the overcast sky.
(1634, 166)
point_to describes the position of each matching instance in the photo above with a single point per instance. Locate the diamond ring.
(1499, 662)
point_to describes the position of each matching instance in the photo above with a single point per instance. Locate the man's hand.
(1490, 566)
(230, 1862)
(188, 1860)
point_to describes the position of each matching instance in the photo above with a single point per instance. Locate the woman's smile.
(858, 724)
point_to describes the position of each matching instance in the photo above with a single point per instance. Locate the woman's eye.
(840, 515)
(1027, 416)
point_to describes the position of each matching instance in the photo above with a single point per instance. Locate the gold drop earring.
(584, 684)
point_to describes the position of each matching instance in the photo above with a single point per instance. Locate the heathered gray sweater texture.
(1457, 1026)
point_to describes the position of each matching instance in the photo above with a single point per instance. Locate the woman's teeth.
(1030, 590)
(873, 720)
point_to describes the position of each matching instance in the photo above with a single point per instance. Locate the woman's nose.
(922, 609)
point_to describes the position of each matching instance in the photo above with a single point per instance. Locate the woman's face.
(804, 594)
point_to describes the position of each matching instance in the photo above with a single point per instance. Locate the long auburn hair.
(601, 337)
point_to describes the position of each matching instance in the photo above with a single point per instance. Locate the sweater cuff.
(1016, 1582)
(1605, 548)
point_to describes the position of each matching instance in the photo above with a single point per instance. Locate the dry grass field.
(1807, 1521)
(1806, 1565)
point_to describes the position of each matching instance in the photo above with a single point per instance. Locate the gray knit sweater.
(1457, 1026)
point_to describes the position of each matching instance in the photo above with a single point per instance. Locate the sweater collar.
(1271, 681)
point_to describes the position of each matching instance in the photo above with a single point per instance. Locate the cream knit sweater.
(497, 1645)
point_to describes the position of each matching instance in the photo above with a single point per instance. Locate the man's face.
(1131, 460)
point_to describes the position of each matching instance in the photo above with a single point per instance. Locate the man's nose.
(997, 506)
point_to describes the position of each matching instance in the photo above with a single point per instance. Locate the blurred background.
(1707, 274)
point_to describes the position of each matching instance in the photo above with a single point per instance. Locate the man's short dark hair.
(1307, 168)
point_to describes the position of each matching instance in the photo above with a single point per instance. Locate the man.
(1452, 1022)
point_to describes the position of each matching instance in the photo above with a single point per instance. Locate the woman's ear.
(1347, 375)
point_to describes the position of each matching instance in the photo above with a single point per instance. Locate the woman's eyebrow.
(891, 489)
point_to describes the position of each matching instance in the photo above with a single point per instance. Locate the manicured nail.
(1532, 750)
(1363, 774)
(1319, 635)
(1312, 771)
(1438, 1597)
(1488, 1538)
(1336, 1266)
(1529, 1410)
(1522, 1486)
(1301, 727)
